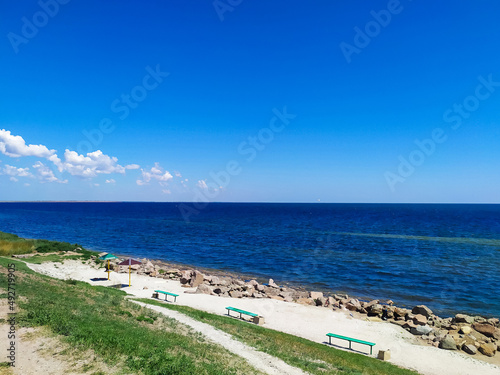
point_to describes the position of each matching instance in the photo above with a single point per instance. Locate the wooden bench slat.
(170, 294)
(350, 339)
(155, 295)
(241, 311)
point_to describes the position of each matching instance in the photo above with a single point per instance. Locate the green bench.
(241, 312)
(155, 295)
(330, 335)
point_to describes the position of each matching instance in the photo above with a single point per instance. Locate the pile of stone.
(462, 332)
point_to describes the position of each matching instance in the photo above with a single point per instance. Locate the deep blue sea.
(443, 255)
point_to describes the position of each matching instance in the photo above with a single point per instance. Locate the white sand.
(309, 322)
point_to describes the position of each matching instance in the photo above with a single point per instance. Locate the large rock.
(462, 318)
(316, 295)
(400, 312)
(270, 291)
(185, 277)
(421, 330)
(488, 349)
(375, 310)
(235, 294)
(261, 288)
(196, 279)
(448, 343)
(423, 310)
(465, 330)
(487, 330)
(353, 305)
(215, 280)
(306, 301)
(272, 284)
(469, 348)
(420, 319)
(203, 289)
(367, 305)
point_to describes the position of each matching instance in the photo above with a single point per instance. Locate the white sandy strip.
(309, 322)
(261, 361)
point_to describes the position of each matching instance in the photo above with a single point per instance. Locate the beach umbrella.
(108, 257)
(128, 262)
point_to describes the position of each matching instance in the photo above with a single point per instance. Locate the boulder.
(215, 280)
(469, 348)
(399, 312)
(316, 295)
(423, 310)
(260, 288)
(420, 319)
(462, 318)
(270, 291)
(367, 305)
(353, 305)
(306, 301)
(494, 321)
(465, 330)
(253, 283)
(272, 284)
(203, 289)
(487, 330)
(448, 343)
(185, 277)
(375, 310)
(196, 279)
(488, 349)
(421, 330)
(235, 294)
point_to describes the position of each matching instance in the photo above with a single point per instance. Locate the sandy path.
(262, 361)
(309, 322)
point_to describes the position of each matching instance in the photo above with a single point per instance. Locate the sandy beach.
(309, 322)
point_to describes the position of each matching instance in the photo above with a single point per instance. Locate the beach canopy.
(108, 257)
(128, 262)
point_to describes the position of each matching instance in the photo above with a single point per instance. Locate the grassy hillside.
(120, 332)
(10, 244)
(310, 356)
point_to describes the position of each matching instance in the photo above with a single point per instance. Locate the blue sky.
(282, 101)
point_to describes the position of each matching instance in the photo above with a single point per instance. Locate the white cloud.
(45, 174)
(89, 166)
(9, 170)
(15, 146)
(177, 174)
(26, 184)
(14, 179)
(156, 173)
(166, 191)
(202, 184)
(111, 181)
(132, 166)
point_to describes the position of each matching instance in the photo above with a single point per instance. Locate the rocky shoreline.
(474, 335)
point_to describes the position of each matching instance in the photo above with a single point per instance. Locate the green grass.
(310, 356)
(10, 244)
(120, 332)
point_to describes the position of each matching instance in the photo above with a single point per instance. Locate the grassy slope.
(312, 357)
(11, 244)
(117, 330)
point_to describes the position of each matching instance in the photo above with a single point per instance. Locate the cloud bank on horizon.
(85, 167)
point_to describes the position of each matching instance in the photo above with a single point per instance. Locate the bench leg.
(330, 340)
(175, 299)
(350, 345)
(371, 348)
